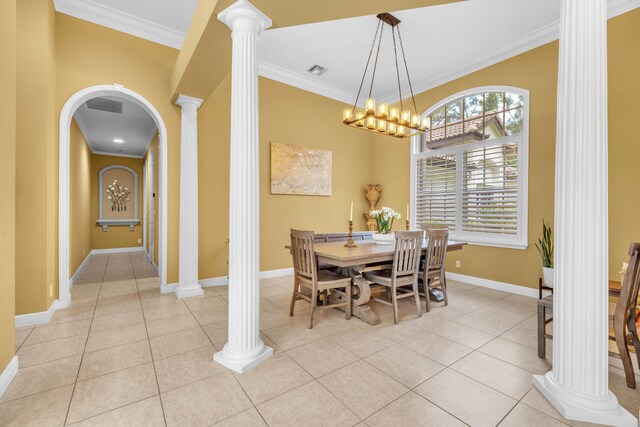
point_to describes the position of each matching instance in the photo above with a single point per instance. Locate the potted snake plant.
(545, 247)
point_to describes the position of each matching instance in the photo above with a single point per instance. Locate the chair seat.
(327, 279)
(383, 277)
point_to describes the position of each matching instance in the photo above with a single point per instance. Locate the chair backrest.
(302, 251)
(406, 258)
(626, 305)
(436, 248)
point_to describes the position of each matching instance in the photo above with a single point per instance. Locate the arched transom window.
(469, 170)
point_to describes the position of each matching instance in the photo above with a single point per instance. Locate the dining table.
(353, 261)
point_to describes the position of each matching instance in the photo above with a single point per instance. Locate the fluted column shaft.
(188, 257)
(244, 348)
(578, 384)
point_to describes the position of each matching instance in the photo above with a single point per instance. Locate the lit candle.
(394, 112)
(371, 122)
(415, 120)
(391, 129)
(359, 117)
(382, 110)
(371, 105)
(382, 126)
(347, 113)
(407, 211)
(405, 117)
(400, 131)
(425, 123)
(351, 212)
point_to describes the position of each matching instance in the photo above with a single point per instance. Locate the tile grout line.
(73, 391)
(153, 363)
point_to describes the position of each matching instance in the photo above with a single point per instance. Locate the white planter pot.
(547, 276)
(384, 239)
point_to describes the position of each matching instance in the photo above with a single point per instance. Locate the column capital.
(244, 16)
(188, 102)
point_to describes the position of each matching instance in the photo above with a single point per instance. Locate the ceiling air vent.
(317, 70)
(121, 150)
(104, 104)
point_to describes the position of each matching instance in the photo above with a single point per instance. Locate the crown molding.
(108, 153)
(309, 84)
(91, 11)
(532, 40)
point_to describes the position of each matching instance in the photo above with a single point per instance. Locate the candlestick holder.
(408, 224)
(350, 243)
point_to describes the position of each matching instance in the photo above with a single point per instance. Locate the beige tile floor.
(124, 355)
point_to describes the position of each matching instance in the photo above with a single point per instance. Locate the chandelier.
(385, 120)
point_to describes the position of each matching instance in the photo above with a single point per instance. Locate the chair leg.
(294, 297)
(443, 286)
(427, 296)
(394, 300)
(634, 334)
(314, 302)
(347, 291)
(626, 359)
(417, 297)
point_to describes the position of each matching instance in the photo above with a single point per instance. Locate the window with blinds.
(470, 169)
(436, 191)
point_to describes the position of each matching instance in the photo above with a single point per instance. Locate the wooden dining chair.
(307, 276)
(432, 271)
(622, 314)
(403, 273)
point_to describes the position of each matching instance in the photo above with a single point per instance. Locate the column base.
(241, 363)
(574, 406)
(189, 291)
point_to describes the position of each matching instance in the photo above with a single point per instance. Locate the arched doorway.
(66, 115)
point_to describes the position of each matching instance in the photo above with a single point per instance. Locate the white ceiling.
(100, 128)
(162, 21)
(441, 43)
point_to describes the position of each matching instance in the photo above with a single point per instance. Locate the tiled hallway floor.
(123, 354)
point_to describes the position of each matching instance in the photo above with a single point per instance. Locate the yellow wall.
(318, 127)
(121, 236)
(624, 151)
(88, 55)
(536, 71)
(154, 173)
(7, 177)
(36, 158)
(80, 221)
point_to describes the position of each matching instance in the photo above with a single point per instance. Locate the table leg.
(360, 295)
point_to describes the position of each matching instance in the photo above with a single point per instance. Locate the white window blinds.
(436, 190)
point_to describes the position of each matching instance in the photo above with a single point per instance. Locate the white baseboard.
(168, 288)
(117, 250)
(224, 280)
(8, 375)
(276, 273)
(79, 269)
(492, 284)
(39, 318)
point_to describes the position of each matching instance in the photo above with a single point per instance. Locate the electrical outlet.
(139, 241)
(457, 263)
(50, 291)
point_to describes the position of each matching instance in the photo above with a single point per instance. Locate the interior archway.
(66, 115)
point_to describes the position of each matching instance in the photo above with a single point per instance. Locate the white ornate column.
(578, 384)
(188, 285)
(244, 348)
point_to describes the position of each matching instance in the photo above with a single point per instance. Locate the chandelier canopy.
(386, 120)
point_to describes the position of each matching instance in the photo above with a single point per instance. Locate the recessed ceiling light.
(317, 70)
(118, 140)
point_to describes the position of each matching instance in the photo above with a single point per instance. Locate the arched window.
(469, 170)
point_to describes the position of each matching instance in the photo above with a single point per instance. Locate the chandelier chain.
(375, 63)
(395, 54)
(367, 66)
(406, 67)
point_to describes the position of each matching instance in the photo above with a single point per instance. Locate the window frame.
(520, 239)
